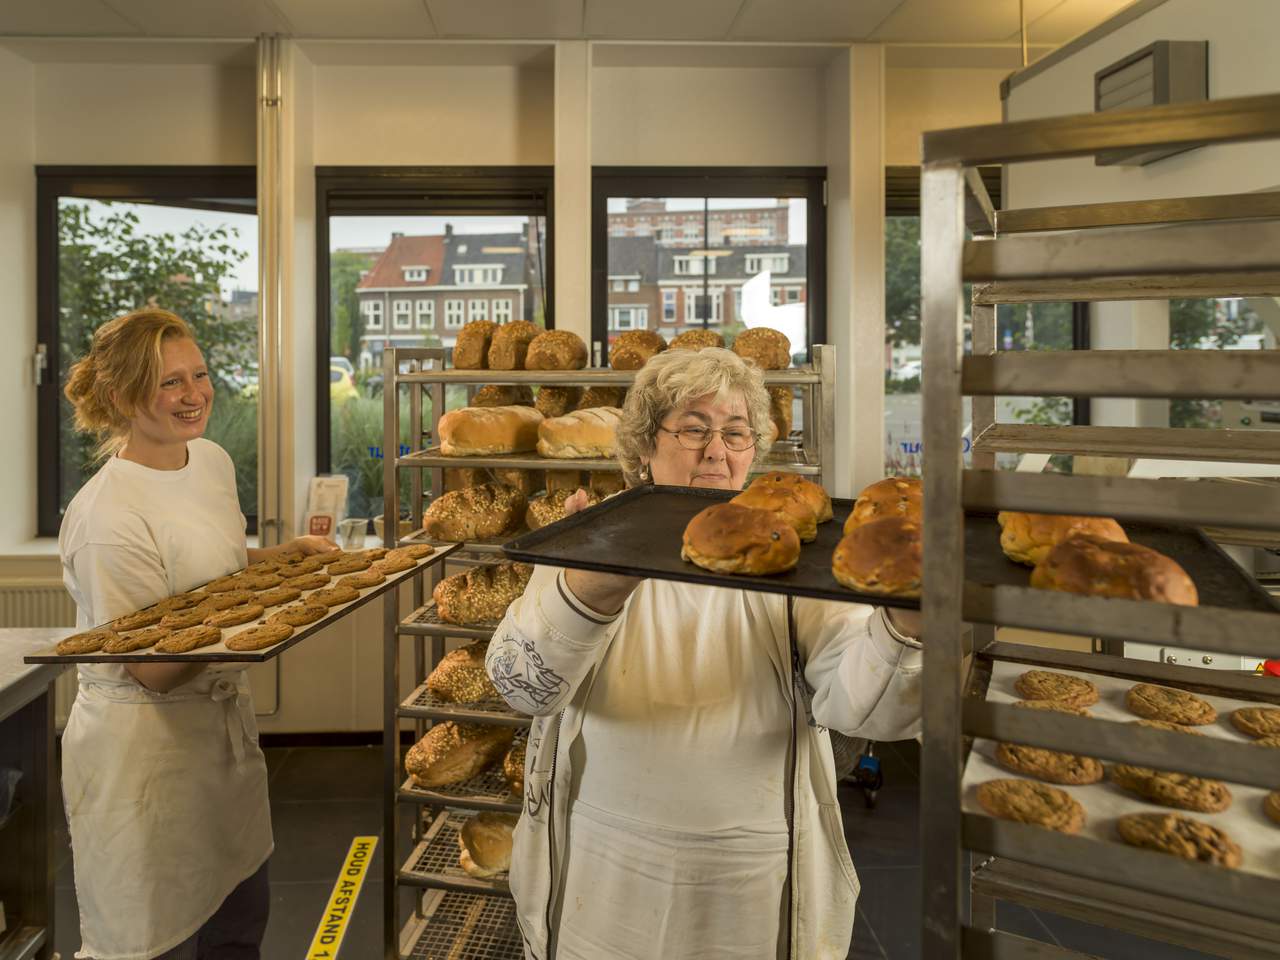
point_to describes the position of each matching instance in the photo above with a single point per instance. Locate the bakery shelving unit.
(1192, 247)
(457, 915)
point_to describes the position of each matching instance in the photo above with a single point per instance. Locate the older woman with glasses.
(680, 794)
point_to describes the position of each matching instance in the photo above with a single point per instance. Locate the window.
(502, 311)
(793, 294)
(415, 235)
(110, 242)
(477, 310)
(628, 318)
(676, 239)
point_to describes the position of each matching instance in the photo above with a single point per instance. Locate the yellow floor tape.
(342, 902)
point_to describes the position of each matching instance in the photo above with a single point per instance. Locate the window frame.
(424, 307)
(199, 187)
(450, 304)
(808, 183)
(396, 303)
(425, 191)
(508, 309)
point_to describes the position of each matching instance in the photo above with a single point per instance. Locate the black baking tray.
(639, 532)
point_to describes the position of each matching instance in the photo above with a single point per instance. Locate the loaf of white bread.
(579, 435)
(455, 752)
(484, 844)
(489, 431)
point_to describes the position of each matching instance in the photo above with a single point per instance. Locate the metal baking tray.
(639, 532)
(218, 652)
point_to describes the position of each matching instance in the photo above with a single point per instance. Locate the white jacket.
(858, 678)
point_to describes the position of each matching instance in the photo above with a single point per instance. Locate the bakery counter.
(26, 826)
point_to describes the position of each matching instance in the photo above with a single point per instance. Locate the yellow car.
(341, 387)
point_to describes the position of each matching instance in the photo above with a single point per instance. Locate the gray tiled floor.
(321, 797)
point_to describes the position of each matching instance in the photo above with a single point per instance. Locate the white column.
(855, 260)
(573, 188)
(1129, 325)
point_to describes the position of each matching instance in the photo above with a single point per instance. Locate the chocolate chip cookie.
(308, 581)
(389, 565)
(1169, 704)
(414, 551)
(310, 565)
(260, 636)
(184, 641)
(234, 615)
(183, 619)
(227, 600)
(1179, 790)
(351, 564)
(1053, 705)
(299, 614)
(224, 584)
(1257, 721)
(136, 621)
(1027, 801)
(137, 640)
(369, 578)
(1267, 742)
(1180, 836)
(333, 596)
(278, 595)
(259, 581)
(78, 644)
(182, 601)
(1048, 765)
(374, 553)
(1059, 687)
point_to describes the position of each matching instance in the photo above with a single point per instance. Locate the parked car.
(345, 364)
(341, 387)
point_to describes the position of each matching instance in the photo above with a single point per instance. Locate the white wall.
(707, 116)
(433, 115)
(18, 296)
(920, 99)
(1242, 61)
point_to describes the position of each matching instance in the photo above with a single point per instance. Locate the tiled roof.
(388, 270)
(733, 265)
(505, 249)
(632, 256)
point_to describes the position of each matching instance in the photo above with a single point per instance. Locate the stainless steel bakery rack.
(1192, 247)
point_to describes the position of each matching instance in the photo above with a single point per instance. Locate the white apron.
(166, 796)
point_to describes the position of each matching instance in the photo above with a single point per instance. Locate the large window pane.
(200, 263)
(414, 281)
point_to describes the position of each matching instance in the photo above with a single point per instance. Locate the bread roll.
(813, 494)
(556, 350)
(475, 513)
(770, 349)
(890, 497)
(781, 410)
(563, 480)
(1028, 537)
(460, 677)
(881, 556)
(487, 431)
(696, 340)
(502, 395)
(557, 401)
(729, 538)
(480, 595)
(786, 503)
(527, 482)
(581, 434)
(632, 350)
(602, 397)
(471, 349)
(605, 483)
(484, 844)
(510, 344)
(455, 752)
(549, 509)
(513, 767)
(458, 478)
(1113, 568)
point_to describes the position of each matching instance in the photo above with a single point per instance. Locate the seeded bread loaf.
(475, 513)
(471, 349)
(455, 752)
(632, 350)
(502, 395)
(556, 350)
(459, 677)
(557, 401)
(480, 595)
(510, 344)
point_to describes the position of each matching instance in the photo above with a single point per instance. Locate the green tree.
(345, 268)
(1204, 324)
(106, 267)
(902, 280)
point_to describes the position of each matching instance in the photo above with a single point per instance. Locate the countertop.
(20, 683)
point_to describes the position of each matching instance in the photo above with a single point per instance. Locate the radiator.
(42, 604)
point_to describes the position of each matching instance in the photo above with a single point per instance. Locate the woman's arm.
(306, 545)
(546, 644)
(865, 674)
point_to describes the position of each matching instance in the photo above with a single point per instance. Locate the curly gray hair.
(675, 378)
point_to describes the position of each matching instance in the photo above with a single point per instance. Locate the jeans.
(235, 930)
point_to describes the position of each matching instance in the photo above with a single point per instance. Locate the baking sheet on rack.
(1104, 802)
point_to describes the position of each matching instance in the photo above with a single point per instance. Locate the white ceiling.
(1050, 22)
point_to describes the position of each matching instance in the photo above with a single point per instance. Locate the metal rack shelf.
(22, 943)
(1170, 443)
(488, 791)
(426, 622)
(463, 926)
(423, 703)
(434, 861)
(783, 457)
(593, 376)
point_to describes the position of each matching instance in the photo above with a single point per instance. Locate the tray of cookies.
(251, 615)
(866, 550)
(1195, 818)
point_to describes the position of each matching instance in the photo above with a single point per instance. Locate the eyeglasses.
(699, 438)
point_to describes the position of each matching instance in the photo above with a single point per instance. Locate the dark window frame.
(199, 187)
(808, 183)
(424, 191)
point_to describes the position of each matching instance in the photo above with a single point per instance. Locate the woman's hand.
(309, 545)
(602, 592)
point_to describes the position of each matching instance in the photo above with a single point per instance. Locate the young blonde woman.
(164, 784)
